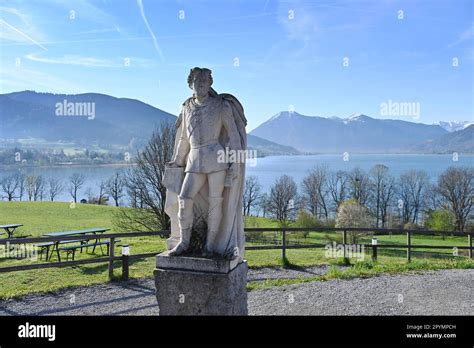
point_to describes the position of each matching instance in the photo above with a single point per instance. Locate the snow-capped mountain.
(357, 133)
(453, 126)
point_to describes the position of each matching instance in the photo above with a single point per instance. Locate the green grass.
(42, 217)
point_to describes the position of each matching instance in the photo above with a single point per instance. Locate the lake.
(268, 169)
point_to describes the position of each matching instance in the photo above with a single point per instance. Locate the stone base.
(198, 286)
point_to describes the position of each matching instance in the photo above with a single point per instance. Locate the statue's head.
(200, 81)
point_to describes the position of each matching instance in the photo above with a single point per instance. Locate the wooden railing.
(372, 231)
(110, 258)
(284, 245)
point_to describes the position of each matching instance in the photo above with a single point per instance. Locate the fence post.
(111, 258)
(344, 241)
(125, 253)
(374, 249)
(408, 246)
(469, 242)
(283, 249)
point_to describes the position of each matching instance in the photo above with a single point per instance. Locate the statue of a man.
(209, 127)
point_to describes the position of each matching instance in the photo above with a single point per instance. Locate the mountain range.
(116, 123)
(461, 141)
(357, 134)
(122, 123)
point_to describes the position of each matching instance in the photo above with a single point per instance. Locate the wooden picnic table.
(10, 229)
(72, 233)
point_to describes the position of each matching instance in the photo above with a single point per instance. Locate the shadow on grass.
(402, 253)
(103, 267)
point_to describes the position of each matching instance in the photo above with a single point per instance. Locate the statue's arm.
(183, 146)
(231, 127)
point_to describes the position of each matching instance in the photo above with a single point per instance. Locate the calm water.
(269, 168)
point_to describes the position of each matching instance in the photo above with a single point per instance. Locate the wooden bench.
(47, 245)
(71, 250)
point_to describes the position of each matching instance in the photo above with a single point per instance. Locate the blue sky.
(270, 54)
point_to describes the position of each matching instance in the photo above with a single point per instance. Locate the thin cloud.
(266, 4)
(22, 34)
(155, 42)
(466, 35)
(115, 29)
(74, 60)
(92, 62)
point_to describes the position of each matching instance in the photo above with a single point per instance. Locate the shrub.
(440, 220)
(353, 214)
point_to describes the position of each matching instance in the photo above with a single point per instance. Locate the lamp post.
(125, 254)
(374, 249)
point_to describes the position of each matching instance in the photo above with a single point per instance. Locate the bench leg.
(73, 254)
(101, 250)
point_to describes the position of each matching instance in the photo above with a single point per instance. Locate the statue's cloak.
(230, 240)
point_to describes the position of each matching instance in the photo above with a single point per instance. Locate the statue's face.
(201, 85)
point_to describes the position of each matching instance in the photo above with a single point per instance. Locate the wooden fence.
(283, 245)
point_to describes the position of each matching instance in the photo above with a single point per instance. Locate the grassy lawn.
(42, 217)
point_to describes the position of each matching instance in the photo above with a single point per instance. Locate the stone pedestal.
(199, 286)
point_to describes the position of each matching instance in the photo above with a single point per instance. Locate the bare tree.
(55, 187)
(359, 185)
(144, 184)
(76, 181)
(252, 194)
(456, 186)
(40, 186)
(263, 204)
(35, 187)
(21, 186)
(433, 199)
(115, 186)
(282, 200)
(134, 194)
(30, 186)
(338, 187)
(9, 185)
(315, 192)
(102, 198)
(412, 187)
(382, 186)
(90, 195)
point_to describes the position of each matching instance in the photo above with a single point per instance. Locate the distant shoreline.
(77, 165)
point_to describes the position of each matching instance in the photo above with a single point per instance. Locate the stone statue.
(204, 184)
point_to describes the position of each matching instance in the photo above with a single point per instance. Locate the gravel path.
(445, 292)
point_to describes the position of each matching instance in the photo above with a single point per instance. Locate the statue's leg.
(191, 185)
(216, 187)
